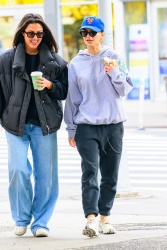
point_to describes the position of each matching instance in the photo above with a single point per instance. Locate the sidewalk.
(150, 114)
(135, 219)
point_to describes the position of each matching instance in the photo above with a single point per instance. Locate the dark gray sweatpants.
(100, 147)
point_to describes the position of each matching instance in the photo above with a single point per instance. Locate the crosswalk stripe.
(146, 155)
(145, 168)
(149, 181)
(157, 175)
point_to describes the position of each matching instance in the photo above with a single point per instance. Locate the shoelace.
(91, 220)
(105, 221)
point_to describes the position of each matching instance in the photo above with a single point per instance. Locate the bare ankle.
(91, 216)
(102, 217)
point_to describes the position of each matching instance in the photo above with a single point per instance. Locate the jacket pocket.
(54, 114)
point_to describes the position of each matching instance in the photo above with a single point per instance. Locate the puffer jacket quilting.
(15, 90)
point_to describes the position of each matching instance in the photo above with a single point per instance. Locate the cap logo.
(90, 20)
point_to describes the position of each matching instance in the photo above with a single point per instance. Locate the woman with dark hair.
(31, 118)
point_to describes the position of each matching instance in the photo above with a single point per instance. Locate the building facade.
(139, 33)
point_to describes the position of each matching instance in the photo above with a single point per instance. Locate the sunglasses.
(91, 33)
(31, 34)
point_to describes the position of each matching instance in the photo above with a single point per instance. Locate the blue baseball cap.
(93, 23)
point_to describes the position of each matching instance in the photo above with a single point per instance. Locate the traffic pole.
(141, 103)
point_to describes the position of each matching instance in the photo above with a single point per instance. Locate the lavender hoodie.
(94, 96)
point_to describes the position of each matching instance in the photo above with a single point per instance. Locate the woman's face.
(93, 41)
(32, 43)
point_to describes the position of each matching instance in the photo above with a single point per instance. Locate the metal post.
(165, 79)
(141, 102)
(105, 13)
(52, 13)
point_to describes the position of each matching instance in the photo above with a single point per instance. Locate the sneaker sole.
(20, 233)
(107, 232)
(41, 233)
(90, 232)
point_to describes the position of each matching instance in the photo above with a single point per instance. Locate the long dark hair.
(48, 38)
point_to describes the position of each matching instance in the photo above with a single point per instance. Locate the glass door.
(162, 46)
(158, 43)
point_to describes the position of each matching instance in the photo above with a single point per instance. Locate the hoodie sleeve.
(120, 78)
(72, 103)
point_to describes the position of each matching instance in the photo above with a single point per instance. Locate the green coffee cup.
(35, 75)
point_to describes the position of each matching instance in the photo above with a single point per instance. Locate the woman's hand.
(110, 66)
(43, 83)
(72, 142)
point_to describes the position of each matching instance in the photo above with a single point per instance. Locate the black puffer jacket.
(15, 90)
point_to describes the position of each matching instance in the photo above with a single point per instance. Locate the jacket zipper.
(48, 129)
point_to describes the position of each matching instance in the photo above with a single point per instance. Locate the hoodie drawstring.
(102, 139)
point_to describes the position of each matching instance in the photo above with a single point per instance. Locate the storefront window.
(136, 28)
(6, 32)
(14, 2)
(30, 1)
(162, 35)
(72, 17)
(8, 2)
(135, 13)
(76, 1)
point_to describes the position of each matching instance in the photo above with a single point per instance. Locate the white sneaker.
(91, 228)
(41, 232)
(105, 227)
(19, 230)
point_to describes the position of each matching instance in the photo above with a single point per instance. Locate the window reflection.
(72, 17)
(13, 2)
(162, 35)
(6, 32)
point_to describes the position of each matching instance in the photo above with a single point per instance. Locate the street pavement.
(140, 209)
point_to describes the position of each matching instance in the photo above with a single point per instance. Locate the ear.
(102, 34)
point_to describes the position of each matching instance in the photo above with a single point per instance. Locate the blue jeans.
(29, 200)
